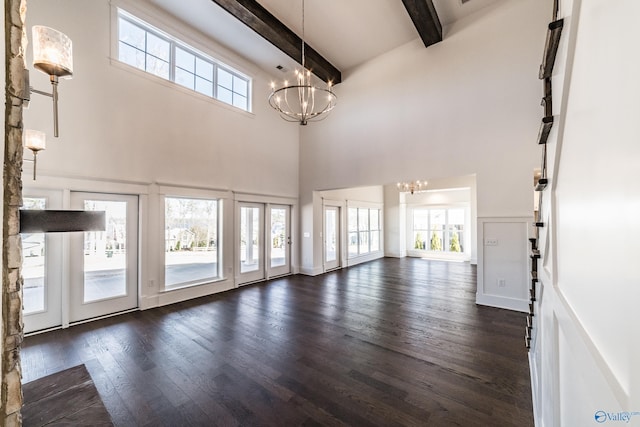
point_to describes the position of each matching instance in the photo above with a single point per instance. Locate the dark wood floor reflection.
(391, 342)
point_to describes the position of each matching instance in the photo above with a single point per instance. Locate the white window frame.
(444, 254)
(219, 250)
(368, 231)
(174, 43)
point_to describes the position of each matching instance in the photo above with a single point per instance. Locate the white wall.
(585, 352)
(122, 130)
(466, 106)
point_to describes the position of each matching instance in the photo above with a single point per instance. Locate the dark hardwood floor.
(393, 342)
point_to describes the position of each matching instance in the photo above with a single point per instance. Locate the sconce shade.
(35, 140)
(52, 52)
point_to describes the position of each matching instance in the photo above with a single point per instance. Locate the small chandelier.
(412, 187)
(302, 102)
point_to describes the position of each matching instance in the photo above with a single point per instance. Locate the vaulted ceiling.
(344, 32)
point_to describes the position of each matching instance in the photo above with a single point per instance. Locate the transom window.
(149, 49)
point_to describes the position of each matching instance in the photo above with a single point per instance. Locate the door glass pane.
(352, 224)
(191, 240)
(420, 229)
(33, 263)
(278, 236)
(437, 217)
(375, 240)
(249, 239)
(330, 229)
(374, 219)
(456, 228)
(105, 261)
(363, 226)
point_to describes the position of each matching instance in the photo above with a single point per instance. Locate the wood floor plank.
(389, 342)
(68, 397)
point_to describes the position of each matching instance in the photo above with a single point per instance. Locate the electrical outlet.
(491, 242)
(502, 283)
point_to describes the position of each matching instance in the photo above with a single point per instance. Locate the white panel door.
(104, 264)
(250, 245)
(331, 235)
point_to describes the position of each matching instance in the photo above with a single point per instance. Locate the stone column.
(11, 339)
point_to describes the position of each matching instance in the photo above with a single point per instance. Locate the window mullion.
(195, 71)
(172, 61)
(215, 81)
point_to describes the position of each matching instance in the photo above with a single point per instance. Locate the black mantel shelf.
(51, 221)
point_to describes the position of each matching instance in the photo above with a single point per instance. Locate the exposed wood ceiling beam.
(256, 17)
(425, 18)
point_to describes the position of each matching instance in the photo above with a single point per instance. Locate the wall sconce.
(52, 54)
(35, 141)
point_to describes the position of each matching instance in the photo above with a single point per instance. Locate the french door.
(70, 277)
(331, 251)
(264, 241)
(41, 268)
(104, 264)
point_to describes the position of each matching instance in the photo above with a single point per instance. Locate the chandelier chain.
(303, 34)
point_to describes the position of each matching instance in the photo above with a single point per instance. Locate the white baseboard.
(503, 302)
(311, 271)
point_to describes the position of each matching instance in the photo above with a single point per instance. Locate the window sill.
(181, 286)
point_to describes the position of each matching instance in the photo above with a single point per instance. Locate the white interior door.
(279, 245)
(41, 269)
(104, 264)
(331, 235)
(250, 242)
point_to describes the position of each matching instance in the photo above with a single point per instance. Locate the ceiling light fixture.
(302, 102)
(412, 187)
(52, 54)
